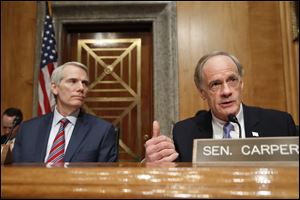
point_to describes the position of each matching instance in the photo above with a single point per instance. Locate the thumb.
(156, 129)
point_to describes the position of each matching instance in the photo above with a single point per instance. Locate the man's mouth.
(78, 97)
(227, 104)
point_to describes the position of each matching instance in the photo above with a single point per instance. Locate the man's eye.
(215, 85)
(233, 81)
(73, 80)
(86, 83)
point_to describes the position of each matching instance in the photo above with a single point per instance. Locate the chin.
(233, 111)
(77, 104)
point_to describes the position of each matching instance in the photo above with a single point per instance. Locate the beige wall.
(253, 31)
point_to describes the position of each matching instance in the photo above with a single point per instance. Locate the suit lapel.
(80, 130)
(251, 121)
(43, 133)
(203, 121)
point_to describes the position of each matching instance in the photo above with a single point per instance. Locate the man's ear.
(202, 93)
(54, 88)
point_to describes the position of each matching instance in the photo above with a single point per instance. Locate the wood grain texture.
(256, 32)
(290, 58)
(252, 32)
(18, 21)
(204, 27)
(136, 180)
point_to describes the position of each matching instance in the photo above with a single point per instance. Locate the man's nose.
(81, 86)
(6, 130)
(226, 89)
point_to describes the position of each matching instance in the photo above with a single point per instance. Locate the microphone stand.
(240, 130)
(6, 153)
(232, 118)
(15, 123)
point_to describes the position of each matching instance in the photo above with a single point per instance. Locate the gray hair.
(56, 76)
(198, 79)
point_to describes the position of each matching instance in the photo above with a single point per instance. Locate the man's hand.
(159, 148)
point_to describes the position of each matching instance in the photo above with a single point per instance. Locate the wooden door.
(119, 58)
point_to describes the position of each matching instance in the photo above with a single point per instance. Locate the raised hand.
(159, 148)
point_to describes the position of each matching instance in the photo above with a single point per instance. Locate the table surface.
(150, 180)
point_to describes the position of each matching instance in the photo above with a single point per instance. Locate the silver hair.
(198, 79)
(56, 76)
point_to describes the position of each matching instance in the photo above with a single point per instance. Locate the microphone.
(232, 118)
(16, 122)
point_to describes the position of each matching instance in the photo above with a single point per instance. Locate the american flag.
(48, 64)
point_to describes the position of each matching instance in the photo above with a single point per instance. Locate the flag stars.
(48, 52)
(48, 62)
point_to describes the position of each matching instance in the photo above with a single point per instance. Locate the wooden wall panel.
(204, 27)
(289, 32)
(18, 21)
(249, 30)
(267, 73)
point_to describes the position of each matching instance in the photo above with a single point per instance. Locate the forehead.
(8, 119)
(219, 66)
(73, 70)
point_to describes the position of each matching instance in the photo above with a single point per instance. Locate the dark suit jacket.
(266, 122)
(92, 140)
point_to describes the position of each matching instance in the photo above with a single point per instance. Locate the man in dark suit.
(83, 137)
(11, 118)
(218, 77)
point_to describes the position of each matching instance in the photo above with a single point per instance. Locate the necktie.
(57, 151)
(227, 128)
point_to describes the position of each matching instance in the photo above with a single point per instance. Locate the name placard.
(261, 149)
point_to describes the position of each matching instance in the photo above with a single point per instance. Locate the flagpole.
(49, 8)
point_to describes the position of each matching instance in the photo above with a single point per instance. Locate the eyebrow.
(77, 79)
(219, 80)
(214, 81)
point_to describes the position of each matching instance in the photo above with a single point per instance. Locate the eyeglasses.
(232, 82)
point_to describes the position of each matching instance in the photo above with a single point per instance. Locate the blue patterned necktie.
(226, 130)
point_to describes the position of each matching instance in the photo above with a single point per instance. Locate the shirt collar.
(72, 117)
(239, 117)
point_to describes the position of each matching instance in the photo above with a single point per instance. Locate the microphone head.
(17, 121)
(232, 118)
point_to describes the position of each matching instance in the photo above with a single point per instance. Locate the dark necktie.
(57, 151)
(226, 130)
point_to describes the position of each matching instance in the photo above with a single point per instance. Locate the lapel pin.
(255, 134)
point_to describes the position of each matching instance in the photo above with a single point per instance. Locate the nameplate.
(263, 149)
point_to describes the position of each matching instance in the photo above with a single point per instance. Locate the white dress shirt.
(55, 127)
(218, 124)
